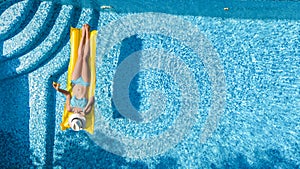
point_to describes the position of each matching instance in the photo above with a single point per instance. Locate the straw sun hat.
(77, 122)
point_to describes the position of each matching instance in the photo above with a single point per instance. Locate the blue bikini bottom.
(81, 103)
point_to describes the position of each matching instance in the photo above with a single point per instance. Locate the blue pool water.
(192, 84)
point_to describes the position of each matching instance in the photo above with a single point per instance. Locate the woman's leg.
(85, 74)
(78, 67)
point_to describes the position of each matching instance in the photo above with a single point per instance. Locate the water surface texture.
(191, 84)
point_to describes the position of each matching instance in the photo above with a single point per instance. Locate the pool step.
(55, 38)
(6, 4)
(46, 42)
(23, 12)
(33, 33)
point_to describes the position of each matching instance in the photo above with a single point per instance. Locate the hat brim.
(79, 117)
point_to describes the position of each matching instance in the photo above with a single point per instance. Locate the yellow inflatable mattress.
(75, 35)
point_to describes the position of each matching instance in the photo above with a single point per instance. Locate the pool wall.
(257, 43)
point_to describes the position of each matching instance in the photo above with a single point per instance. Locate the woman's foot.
(87, 29)
(83, 34)
(86, 54)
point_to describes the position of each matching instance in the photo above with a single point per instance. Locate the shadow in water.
(88, 155)
(79, 151)
(267, 159)
(167, 163)
(5, 67)
(129, 46)
(14, 128)
(1, 47)
(50, 123)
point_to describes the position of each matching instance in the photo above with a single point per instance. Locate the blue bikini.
(80, 81)
(81, 103)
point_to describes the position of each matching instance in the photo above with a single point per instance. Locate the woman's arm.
(56, 87)
(69, 108)
(66, 93)
(89, 105)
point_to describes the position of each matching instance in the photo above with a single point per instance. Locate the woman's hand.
(86, 110)
(56, 85)
(82, 113)
(78, 111)
(89, 106)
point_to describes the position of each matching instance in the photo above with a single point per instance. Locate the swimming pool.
(211, 84)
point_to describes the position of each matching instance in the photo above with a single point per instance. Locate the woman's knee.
(85, 60)
(80, 54)
(86, 56)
